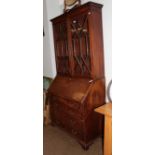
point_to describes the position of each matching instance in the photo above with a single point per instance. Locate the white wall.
(54, 8)
(47, 61)
(107, 34)
(51, 10)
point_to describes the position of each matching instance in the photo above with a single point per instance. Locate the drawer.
(67, 115)
(72, 107)
(65, 120)
(72, 125)
(72, 104)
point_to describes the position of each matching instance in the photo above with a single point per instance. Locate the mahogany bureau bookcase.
(79, 86)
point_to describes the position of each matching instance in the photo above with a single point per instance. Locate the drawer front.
(73, 108)
(72, 125)
(71, 104)
(67, 118)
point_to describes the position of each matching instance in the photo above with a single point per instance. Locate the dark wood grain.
(79, 86)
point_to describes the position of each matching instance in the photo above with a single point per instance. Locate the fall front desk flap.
(70, 88)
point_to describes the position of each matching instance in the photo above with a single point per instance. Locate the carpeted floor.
(58, 142)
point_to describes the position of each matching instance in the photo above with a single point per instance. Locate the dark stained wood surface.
(70, 88)
(79, 42)
(79, 86)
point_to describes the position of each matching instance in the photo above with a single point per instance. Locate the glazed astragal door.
(61, 48)
(80, 45)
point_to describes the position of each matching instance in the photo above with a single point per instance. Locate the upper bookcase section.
(78, 42)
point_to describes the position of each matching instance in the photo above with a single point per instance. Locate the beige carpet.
(58, 142)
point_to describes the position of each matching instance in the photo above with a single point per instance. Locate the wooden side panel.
(95, 98)
(96, 43)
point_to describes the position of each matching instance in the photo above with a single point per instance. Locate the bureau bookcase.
(79, 85)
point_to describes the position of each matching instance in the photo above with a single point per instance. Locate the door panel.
(80, 45)
(61, 48)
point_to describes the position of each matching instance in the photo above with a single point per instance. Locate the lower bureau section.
(72, 104)
(66, 121)
(83, 129)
